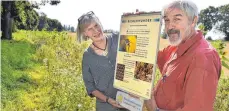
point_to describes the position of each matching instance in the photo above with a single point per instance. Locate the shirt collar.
(183, 47)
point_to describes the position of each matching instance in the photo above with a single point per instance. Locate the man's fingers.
(134, 96)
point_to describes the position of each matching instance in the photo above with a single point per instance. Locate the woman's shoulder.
(86, 53)
(113, 36)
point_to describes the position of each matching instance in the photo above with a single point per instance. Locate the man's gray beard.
(179, 39)
(175, 42)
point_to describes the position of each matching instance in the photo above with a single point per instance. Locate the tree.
(217, 17)
(26, 17)
(54, 24)
(32, 20)
(6, 19)
(12, 9)
(224, 20)
(209, 38)
(43, 22)
(208, 17)
(72, 29)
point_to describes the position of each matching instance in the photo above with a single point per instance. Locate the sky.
(109, 11)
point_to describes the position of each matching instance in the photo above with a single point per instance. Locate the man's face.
(177, 26)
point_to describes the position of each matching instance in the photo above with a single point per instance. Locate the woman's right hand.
(114, 103)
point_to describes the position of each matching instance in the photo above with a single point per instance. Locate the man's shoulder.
(205, 51)
(204, 57)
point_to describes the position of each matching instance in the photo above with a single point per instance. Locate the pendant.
(104, 53)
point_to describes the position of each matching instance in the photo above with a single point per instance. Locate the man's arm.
(200, 90)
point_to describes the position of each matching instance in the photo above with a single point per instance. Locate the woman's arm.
(90, 85)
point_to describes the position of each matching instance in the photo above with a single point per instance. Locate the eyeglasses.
(87, 14)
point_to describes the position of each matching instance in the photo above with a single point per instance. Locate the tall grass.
(42, 71)
(16, 60)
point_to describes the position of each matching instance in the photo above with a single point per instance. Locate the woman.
(98, 62)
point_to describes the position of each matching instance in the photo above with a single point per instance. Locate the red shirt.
(191, 71)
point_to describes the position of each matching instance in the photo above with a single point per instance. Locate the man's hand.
(151, 103)
(114, 103)
(134, 96)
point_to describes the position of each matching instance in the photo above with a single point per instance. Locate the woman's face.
(94, 32)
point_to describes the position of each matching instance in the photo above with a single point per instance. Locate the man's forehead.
(173, 12)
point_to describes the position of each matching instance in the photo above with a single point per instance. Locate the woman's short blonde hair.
(83, 22)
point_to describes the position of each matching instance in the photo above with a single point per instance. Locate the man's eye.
(166, 20)
(176, 19)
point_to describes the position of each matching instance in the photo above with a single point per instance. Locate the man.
(190, 66)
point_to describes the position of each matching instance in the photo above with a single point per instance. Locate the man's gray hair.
(188, 7)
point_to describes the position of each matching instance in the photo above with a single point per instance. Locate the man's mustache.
(173, 31)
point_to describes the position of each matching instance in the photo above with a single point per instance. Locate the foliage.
(164, 35)
(222, 97)
(224, 22)
(202, 28)
(16, 60)
(54, 82)
(216, 16)
(22, 15)
(62, 57)
(54, 25)
(220, 47)
(208, 17)
(69, 28)
(43, 22)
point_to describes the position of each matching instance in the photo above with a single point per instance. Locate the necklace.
(99, 47)
(104, 53)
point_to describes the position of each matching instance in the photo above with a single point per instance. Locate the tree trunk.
(6, 20)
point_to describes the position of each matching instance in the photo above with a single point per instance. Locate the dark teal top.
(98, 71)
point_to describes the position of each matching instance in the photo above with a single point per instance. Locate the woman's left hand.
(114, 103)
